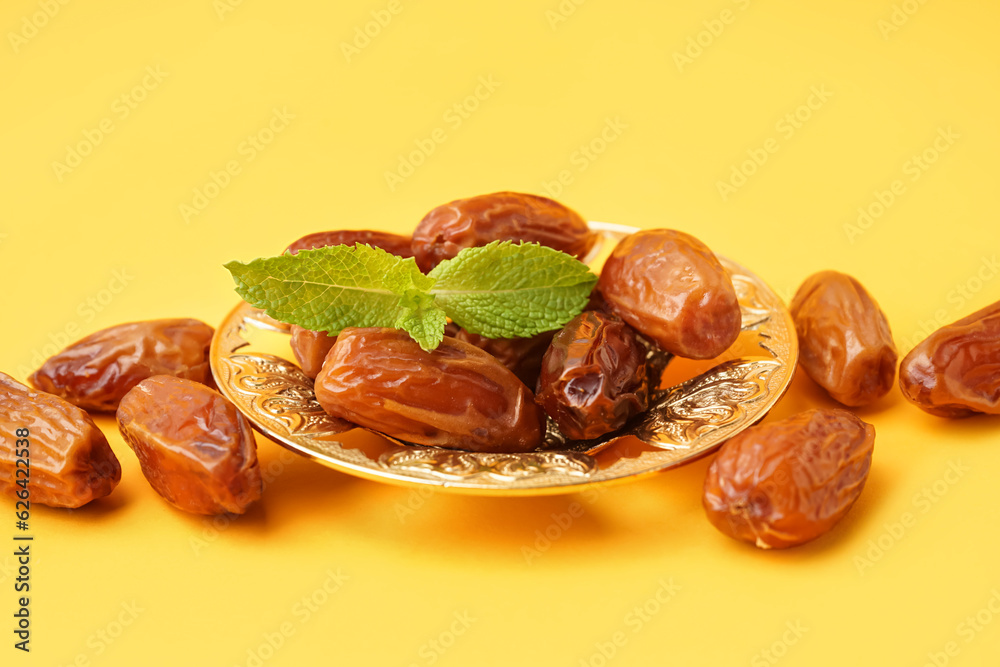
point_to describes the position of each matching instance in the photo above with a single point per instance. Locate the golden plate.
(699, 406)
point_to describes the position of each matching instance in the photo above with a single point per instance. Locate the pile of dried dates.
(774, 485)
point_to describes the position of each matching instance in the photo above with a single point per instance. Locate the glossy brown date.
(522, 356)
(456, 396)
(501, 216)
(593, 376)
(70, 460)
(844, 339)
(395, 244)
(955, 372)
(194, 447)
(784, 483)
(310, 349)
(96, 372)
(670, 287)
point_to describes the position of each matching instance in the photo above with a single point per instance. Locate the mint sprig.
(500, 290)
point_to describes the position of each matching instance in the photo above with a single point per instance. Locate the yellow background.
(212, 597)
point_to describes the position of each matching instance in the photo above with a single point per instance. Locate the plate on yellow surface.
(698, 406)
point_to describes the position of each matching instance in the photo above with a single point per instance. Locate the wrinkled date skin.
(672, 289)
(501, 216)
(194, 447)
(844, 339)
(522, 356)
(955, 372)
(593, 376)
(781, 484)
(96, 372)
(310, 348)
(456, 396)
(71, 461)
(392, 243)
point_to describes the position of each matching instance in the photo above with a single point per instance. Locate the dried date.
(456, 396)
(96, 372)
(593, 376)
(522, 356)
(844, 339)
(395, 244)
(194, 447)
(71, 461)
(598, 302)
(503, 216)
(310, 348)
(781, 484)
(672, 289)
(955, 372)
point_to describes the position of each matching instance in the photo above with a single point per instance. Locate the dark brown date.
(194, 447)
(456, 396)
(392, 243)
(593, 376)
(522, 356)
(671, 288)
(71, 461)
(955, 372)
(598, 302)
(96, 372)
(780, 484)
(501, 216)
(844, 339)
(310, 348)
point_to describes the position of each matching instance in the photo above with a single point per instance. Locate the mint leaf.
(331, 288)
(425, 325)
(502, 290)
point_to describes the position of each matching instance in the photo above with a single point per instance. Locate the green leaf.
(500, 290)
(331, 288)
(503, 290)
(425, 325)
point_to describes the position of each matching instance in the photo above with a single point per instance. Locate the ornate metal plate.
(698, 407)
